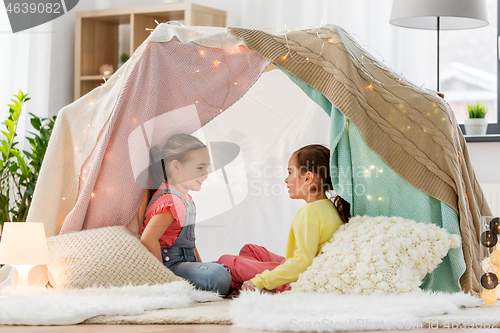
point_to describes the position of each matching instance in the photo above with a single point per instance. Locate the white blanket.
(298, 311)
(41, 306)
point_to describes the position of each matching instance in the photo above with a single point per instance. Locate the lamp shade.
(453, 14)
(23, 243)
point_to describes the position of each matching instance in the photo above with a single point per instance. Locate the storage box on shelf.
(97, 35)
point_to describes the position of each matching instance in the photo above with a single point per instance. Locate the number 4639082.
(32, 8)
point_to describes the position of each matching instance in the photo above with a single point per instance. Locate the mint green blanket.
(372, 188)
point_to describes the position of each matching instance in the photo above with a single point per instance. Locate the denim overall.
(181, 259)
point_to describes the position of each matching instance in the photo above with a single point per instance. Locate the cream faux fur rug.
(179, 303)
(298, 311)
(41, 306)
(322, 312)
(199, 313)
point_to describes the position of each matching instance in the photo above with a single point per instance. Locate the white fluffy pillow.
(377, 255)
(107, 257)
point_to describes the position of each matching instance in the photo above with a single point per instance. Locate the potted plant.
(19, 169)
(124, 57)
(476, 124)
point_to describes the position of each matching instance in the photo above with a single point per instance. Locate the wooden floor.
(175, 328)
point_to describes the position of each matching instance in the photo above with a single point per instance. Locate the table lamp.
(23, 246)
(439, 15)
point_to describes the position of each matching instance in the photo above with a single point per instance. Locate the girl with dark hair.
(168, 229)
(313, 226)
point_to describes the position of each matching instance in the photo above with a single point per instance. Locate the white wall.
(485, 157)
(40, 61)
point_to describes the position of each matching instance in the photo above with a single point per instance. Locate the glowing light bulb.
(372, 167)
(202, 53)
(64, 198)
(330, 41)
(216, 63)
(370, 86)
(307, 59)
(196, 71)
(283, 57)
(380, 170)
(369, 197)
(380, 199)
(92, 195)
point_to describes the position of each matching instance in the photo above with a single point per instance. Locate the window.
(469, 68)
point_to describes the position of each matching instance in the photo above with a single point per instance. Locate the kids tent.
(396, 149)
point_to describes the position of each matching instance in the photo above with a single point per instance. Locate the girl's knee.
(226, 260)
(218, 278)
(247, 248)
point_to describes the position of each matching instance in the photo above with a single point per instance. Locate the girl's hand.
(248, 285)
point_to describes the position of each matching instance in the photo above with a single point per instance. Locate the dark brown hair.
(316, 159)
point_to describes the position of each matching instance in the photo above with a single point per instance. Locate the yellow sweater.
(312, 227)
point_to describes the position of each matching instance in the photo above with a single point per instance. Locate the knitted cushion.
(109, 256)
(377, 255)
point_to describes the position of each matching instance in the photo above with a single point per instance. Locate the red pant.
(253, 260)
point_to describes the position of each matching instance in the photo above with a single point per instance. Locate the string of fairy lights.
(490, 263)
(331, 40)
(289, 55)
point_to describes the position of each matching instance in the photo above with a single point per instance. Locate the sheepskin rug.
(298, 311)
(377, 255)
(62, 306)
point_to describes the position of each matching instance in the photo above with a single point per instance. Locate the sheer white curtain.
(25, 64)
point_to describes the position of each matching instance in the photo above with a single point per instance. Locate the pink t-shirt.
(166, 202)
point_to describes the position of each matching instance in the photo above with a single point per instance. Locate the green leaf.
(14, 152)
(36, 123)
(13, 167)
(10, 126)
(22, 165)
(44, 134)
(5, 145)
(7, 135)
(28, 155)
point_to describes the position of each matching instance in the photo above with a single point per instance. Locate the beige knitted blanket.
(412, 129)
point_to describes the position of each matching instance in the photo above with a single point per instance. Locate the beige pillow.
(377, 255)
(109, 256)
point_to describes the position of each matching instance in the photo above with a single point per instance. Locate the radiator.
(492, 195)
